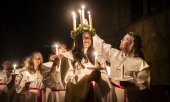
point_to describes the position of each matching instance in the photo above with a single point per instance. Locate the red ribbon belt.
(3, 84)
(118, 86)
(40, 93)
(58, 90)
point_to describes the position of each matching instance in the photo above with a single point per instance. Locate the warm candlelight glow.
(56, 47)
(14, 66)
(82, 8)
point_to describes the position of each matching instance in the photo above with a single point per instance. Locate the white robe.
(36, 85)
(77, 80)
(4, 91)
(55, 92)
(135, 65)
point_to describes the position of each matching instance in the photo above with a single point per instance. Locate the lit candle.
(56, 49)
(27, 74)
(108, 70)
(74, 21)
(95, 63)
(14, 67)
(90, 19)
(80, 17)
(82, 8)
(122, 72)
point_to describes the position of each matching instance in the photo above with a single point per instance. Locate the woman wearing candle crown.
(75, 74)
(129, 58)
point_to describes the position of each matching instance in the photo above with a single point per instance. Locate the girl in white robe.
(131, 60)
(77, 73)
(32, 79)
(5, 79)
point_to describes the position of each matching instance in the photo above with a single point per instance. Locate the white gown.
(134, 67)
(76, 80)
(35, 93)
(55, 92)
(4, 80)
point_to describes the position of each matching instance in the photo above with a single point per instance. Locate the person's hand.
(95, 75)
(27, 84)
(56, 60)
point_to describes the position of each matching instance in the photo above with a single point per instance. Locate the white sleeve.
(101, 47)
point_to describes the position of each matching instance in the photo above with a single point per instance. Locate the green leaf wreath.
(81, 29)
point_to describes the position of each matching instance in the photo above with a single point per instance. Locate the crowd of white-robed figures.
(74, 76)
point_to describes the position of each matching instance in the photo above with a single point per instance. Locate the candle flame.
(14, 66)
(95, 53)
(88, 12)
(83, 6)
(79, 11)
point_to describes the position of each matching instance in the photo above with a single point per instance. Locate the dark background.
(34, 25)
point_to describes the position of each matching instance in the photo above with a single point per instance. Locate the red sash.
(3, 84)
(40, 93)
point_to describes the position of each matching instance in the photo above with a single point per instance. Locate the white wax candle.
(80, 13)
(14, 67)
(95, 63)
(56, 48)
(90, 19)
(74, 21)
(122, 72)
(82, 8)
(108, 70)
(27, 74)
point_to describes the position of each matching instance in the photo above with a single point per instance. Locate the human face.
(6, 66)
(26, 62)
(125, 44)
(86, 40)
(36, 60)
(62, 49)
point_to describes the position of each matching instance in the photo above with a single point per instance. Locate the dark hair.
(78, 49)
(31, 64)
(137, 45)
(24, 59)
(7, 62)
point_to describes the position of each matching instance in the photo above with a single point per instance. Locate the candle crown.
(84, 25)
